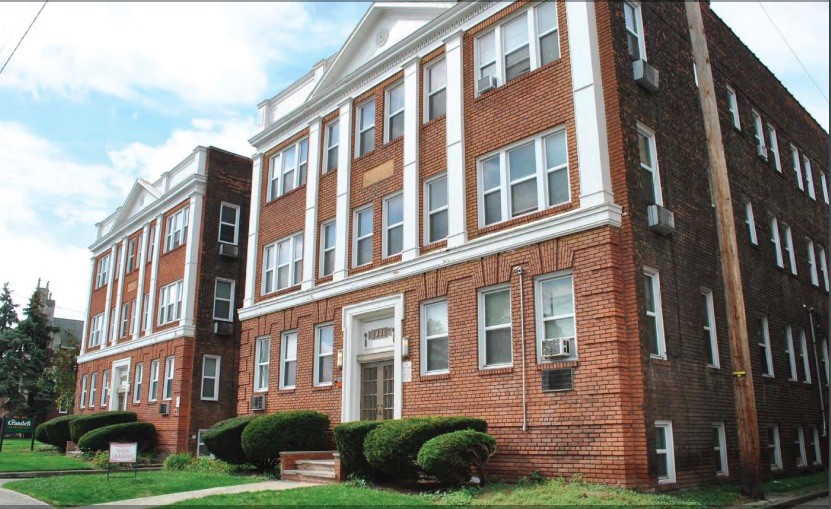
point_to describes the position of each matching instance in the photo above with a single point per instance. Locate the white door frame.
(113, 369)
(352, 315)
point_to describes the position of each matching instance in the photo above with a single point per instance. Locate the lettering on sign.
(18, 424)
(379, 173)
(123, 452)
(379, 333)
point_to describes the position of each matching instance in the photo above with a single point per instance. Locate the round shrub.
(224, 439)
(40, 434)
(144, 433)
(393, 446)
(85, 423)
(451, 457)
(57, 430)
(298, 430)
(349, 441)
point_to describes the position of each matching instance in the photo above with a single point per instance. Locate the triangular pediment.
(141, 196)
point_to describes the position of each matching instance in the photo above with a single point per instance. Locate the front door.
(121, 386)
(377, 391)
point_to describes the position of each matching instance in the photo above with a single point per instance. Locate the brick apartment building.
(474, 208)
(161, 338)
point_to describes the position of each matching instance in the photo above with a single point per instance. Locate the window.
(548, 35)
(105, 389)
(812, 263)
(118, 255)
(101, 271)
(134, 317)
(201, 450)
(789, 350)
(167, 389)
(797, 168)
(93, 381)
(435, 194)
(83, 402)
(125, 320)
(363, 236)
(708, 315)
(176, 229)
(394, 125)
(774, 148)
(224, 300)
(131, 255)
(210, 377)
(228, 223)
(654, 314)
(393, 225)
(650, 175)
(763, 335)
(139, 378)
(777, 245)
(486, 52)
(288, 360)
(664, 452)
(145, 312)
(495, 345)
(113, 325)
(799, 447)
(515, 48)
(524, 178)
(803, 357)
(774, 450)
(287, 170)
(151, 243)
(554, 305)
(435, 346)
(262, 352)
(324, 348)
(720, 449)
(366, 128)
(733, 107)
(283, 264)
(332, 143)
(759, 135)
(634, 30)
(750, 222)
(815, 445)
(95, 330)
(809, 178)
(327, 248)
(154, 380)
(824, 180)
(823, 266)
(435, 82)
(825, 362)
(170, 303)
(789, 249)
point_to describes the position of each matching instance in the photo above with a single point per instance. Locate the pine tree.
(8, 315)
(35, 323)
(21, 365)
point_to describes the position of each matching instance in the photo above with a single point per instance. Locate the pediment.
(141, 196)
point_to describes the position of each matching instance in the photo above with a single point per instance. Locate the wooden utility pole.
(745, 399)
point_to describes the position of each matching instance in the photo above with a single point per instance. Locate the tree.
(21, 366)
(8, 315)
(63, 373)
(35, 323)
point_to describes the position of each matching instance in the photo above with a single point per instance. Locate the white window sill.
(327, 384)
(666, 481)
(261, 391)
(658, 357)
(722, 474)
(208, 399)
(713, 366)
(495, 366)
(442, 372)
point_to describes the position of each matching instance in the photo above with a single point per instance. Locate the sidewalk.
(13, 498)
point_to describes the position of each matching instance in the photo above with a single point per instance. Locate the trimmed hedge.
(86, 423)
(40, 434)
(349, 440)
(57, 430)
(224, 439)
(298, 430)
(144, 433)
(393, 446)
(452, 456)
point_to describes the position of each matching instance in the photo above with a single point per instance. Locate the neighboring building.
(161, 337)
(451, 216)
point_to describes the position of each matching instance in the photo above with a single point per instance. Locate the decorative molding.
(129, 346)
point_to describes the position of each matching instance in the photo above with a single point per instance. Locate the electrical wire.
(23, 37)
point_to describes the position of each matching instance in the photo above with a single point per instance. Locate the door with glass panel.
(377, 399)
(121, 385)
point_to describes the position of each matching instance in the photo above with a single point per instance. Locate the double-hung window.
(516, 49)
(134, 324)
(815, 445)
(765, 354)
(131, 255)
(210, 377)
(139, 378)
(664, 452)
(176, 229)
(262, 359)
(750, 222)
(790, 249)
(363, 236)
(720, 449)
(95, 330)
(791, 353)
(803, 357)
(548, 34)
(288, 360)
(224, 300)
(654, 318)
(287, 170)
(435, 83)
(759, 135)
(93, 381)
(167, 389)
(201, 450)
(823, 267)
(436, 209)
(797, 167)
(118, 255)
(799, 446)
(83, 402)
(708, 315)
(774, 148)
(327, 248)
(809, 178)
(393, 225)
(774, 449)
(153, 393)
(229, 223)
(125, 320)
(145, 312)
(332, 144)
(777, 243)
(555, 316)
(634, 30)
(394, 124)
(650, 174)
(324, 350)
(102, 270)
(495, 343)
(283, 264)
(812, 263)
(105, 389)
(151, 243)
(823, 177)
(435, 346)
(365, 140)
(170, 303)
(733, 107)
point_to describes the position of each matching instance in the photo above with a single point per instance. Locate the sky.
(100, 94)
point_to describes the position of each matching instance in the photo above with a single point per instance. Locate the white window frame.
(169, 310)
(428, 93)
(360, 109)
(285, 360)
(721, 449)
(765, 343)
(809, 177)
(318, 355)
(803, 353)
(791, 352)
(388, 227)
(262, 367)
(789, 248)
(655, 279)
(153, 389)
(210, 379)
(328, 157)
(271, 279)
(750, 221)
(540, 319)
(817, 446)
(733, 107)
(125, 320)
(134, 323)
(145, 311)
(775, 448)
(777, 243)
(131, 256)
(669, 451)
(176, 229)
(799, 441)
(429, 211)
(102, 270)
(167, 386)
(235, 224)
(138, 380)
(390, 114)
(710, 327)
(636, 8)
(277, 169)
(82, 403)
(230, 301)
(759, 134)
(823, 266)
(356, 238)
(774, 147)
(201, 443)
(324, 249)
(93, 381)
(151, 243)
(653, 154)
(483, 329)
(105, 388)
(812, 263)
(797, 167)
(95, 330)
(823, 177)
(425, 338)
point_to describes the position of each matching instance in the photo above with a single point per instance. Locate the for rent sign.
(123, 452)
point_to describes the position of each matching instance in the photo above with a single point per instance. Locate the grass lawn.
(86, 489)
(329, 495)
(16, 457)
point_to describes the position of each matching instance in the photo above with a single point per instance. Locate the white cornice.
(538, 231)
(154, 339)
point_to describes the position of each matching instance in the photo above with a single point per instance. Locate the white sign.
(123, 452)
(407, 371)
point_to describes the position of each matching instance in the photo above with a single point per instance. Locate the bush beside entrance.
(85, 423)
(143, 433)
(298, 430)
(224, 439)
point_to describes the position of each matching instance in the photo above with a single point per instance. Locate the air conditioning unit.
(661, 220)
(164, 408)
(224, 328)
(762, 152)
(486, 83)
(645, 75)
(554, 348)
(258, 403)
(228, 250)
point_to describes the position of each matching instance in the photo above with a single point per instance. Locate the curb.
(52, 473)
(800, 499)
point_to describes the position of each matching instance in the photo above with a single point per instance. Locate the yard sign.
(17, 426)
(122, 452)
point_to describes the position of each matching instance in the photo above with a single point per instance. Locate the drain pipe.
(810, 311)
(518, 269)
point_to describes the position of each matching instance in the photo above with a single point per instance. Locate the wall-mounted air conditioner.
(645, 75)
(164, 408)
(486, 83)
(555, 348)
(258, 403)
(228, 250)
(661, 220)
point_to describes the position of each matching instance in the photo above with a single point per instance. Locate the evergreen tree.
(21, 365)
(8, 315)
(35, 323)
(63, 373)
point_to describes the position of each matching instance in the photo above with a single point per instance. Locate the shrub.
(393, 446)
(451, 456)
(85, 423)
(299, 430)
(57, 430)
(100, 459)
(40, 434)
(99, 439)
(224, 439)
(349, 440)
(179, 461)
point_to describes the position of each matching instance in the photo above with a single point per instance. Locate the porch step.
(327, 466)
(310, 476)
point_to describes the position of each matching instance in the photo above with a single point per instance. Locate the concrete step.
(316, 465)
(310, 476)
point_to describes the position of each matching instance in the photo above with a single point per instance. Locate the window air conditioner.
(224, 328)
(258, 402)
(661, 220)
(553, 348)
(645, 75)
(164, 408)
(762, 152)
(486, 83)
(228, 250)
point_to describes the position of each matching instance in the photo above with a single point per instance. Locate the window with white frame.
(365, 140)
(62, 408)
(137, 381)
(790, 249)
(153, 393)
(664, 452)
(774, 148)
(224, 300)
(201, 450)
(125, 320)
(105, 389)
(516, 49)
(229, 223)
(145, 312)
(823, 267)
(759, 135)
(791, 353)
(554, 308)
(708, 318)
(799, 446)
(812, 263)
(777, 243)
(766, 356)
(170, 302)
(495, 343)
(93, 381)
(823, 177)
(324, 350)
(803, 357)
(283, 263)
(435, 89)
(529, 176)
(634, 30)
(134, 324)
(750, 222)
(809, 178)
(826, 363)
(287, 169)
(131, 255)
(83, 401)
(113, 325)
(118, 255)
(797, 167)
(327, 248)
(101, 271)
(774, 449)
(548, 35)
(436, 209)
(363, 236)
(151, 243)
(332, 144)
(654, 319)
(176, 229)
(393, 224)
(262, 356)
(288, 360)
(167, 388)
(650, 174)
(210, 377)
(720, 449)
(815, 445)
(435, 343)
(95, 330)
(394, 104)
(733, 107)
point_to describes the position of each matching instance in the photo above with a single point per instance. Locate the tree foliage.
(63, 373)
(8, 314)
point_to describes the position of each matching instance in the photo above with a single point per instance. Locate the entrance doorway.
(377, 395)
(121, 375)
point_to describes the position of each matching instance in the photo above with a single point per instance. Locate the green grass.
(331, 495)
(16, 457)
(86, 489)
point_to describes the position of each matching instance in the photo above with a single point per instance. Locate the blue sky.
(100, 94)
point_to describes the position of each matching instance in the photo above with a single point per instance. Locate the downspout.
(519, 271)
(810, 311)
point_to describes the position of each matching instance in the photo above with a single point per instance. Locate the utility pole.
(743, 394)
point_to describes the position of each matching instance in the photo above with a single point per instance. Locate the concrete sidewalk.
(13, 498)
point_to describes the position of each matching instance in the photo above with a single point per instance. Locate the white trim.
(812, 263)
(294, 277)
(455, 151)
(750, 221)
(93, 381)
(386, 226)
(343, 214)
(655, 278)
(721, 449)
(797, 167)
(138, 381)
(790, 350)
(809, 177)
(710, 327)
(540, 319)
(258, 382)
(765, 343)
(307, 279)
(356, 238)
(154, 274)
(112, 403)
(428, 211)
(230, 300)
(323, 249)
(285, 360)
(427, 93)
(201, 443)
(790, 249)
(235, 224)
(153, 385)
(140, 303)
(775, 448)
(759, 133)
(388, 114)
(817, 446)
(655, 168)
(636, 8)
(215, 378)
(116, 320)
(802, 459)
(191, 273)
(410, 199)
(253, 232)
(166, 295)
(318, 356)
(425, 338)
(803, 352)
(733, 107)
(669, 451)
(105, 389)
(774, 147)
(776, 241)
(82, 403)
(483, 329)
(169, 377)
(359, 130)
(330, 126)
